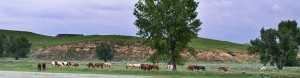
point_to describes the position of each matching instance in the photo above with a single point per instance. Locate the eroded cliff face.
(130, 52)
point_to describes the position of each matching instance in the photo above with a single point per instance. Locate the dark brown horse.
(91, 65)
(41, 66)
(223, 68)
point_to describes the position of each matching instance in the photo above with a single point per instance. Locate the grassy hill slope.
(39, 40)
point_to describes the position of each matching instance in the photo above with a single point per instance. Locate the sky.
(227, 20)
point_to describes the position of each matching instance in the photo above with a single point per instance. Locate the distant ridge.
(39, 40)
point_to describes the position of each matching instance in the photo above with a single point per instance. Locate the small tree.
(105, 52)
(278, 46)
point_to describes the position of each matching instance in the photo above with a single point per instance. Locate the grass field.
(39, 40)
(235, 70)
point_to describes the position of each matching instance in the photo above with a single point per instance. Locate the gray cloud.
(229, 20)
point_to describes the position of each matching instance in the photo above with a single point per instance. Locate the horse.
(223, 68)
(155, 67)
(146, 67)
(99, 64)
(69, 64)
(136, 65)
(107, 64)
(56, 63)
(201, 67)
(129, 65)
(91, 65)
(191, 67)
(195, 67)
(41, 66)
(262, 69)
(75, 64)
(169, 67)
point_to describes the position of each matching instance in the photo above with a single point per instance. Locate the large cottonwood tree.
(167, 26)
(279, 46)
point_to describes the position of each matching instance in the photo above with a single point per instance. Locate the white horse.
(136, 65)
(170, 67)
(106, 64)
(262, 69)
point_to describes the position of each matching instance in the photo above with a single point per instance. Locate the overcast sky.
(228, 20)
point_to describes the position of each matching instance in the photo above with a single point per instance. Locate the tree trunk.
(279, 64)
(173, 55)
(16, 58)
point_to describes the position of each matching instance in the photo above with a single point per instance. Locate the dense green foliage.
(167, 26)
(278, 46)
(17, 47)
(38, 41)
(2, 45)
(105, 52)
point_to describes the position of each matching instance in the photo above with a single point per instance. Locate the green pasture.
(235, 70)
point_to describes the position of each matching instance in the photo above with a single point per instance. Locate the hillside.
(39, 40)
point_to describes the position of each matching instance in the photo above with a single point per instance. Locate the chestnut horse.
(195, 67)
(223, 68)
(99, 64)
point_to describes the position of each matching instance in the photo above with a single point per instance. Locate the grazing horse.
(56, 63)
(262, 69)
(107, 64)
(155, 67)
(223, 68)
(69, 64)
(129, 65)
(195, 67)
(169, 67)
(99, 64)
(91, 65)
(146, 67)
(136, 65)
(191, 67)
(41, 66)
(201, 67)
(75, 64)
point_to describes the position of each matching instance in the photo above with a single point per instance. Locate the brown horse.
(99, 64)
(91, 65)
(146, 67)
(41, 66)
(155, 67)
(195, 67)
(223, 68)
(75, 64)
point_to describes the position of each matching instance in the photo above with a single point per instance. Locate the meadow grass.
(235, 70)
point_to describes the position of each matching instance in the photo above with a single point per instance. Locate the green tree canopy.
(278, 46)
(105, 52)
(18, 47)
(2, 45)
(167, 26)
